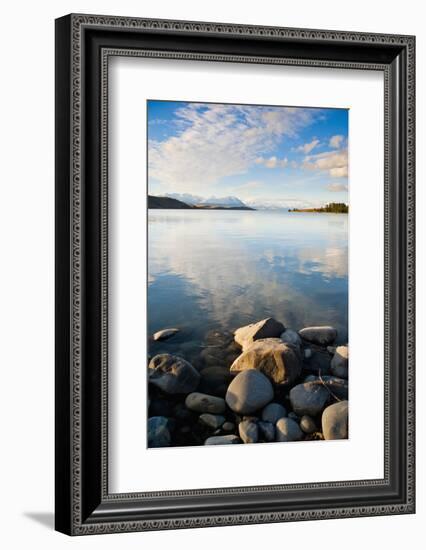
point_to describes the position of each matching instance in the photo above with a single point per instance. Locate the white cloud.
(308, 147)
(335, 163)
(336, 141)
(336, 187)
(272, 162)
(215, 141)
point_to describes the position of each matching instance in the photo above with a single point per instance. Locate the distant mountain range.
(187, 201)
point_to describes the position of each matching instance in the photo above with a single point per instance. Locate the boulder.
(249, 391)
(287, 429)
(339, 363)
(266, 431)
(203, 403)
(278, 361)
(308, 398)
(213, 421)
(222, 440)
(307, 425)
(267, 328)
(215, 380)
(322, 336)
(273, 412)
(172, 374)
(291, 337)
(249, 432)
(335, 421)
(165, 333)
(158, 432)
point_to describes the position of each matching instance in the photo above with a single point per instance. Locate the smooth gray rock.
(249, 432)
(266, 431)
(291, 337)
(323, 335)
(308, 398)
(307, 425)
(278, 361)
(165, 333)
(172, 374)
(222, 440)
(267, 328)
(339, 363)
(158, 432)
(335, 421)
(248, 392)
(287, 429)
(203, 403)
(213, 421)
(273, 412)
(228, 426)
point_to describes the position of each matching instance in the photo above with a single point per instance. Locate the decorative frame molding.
(84, 43)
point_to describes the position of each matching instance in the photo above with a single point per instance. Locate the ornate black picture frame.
(84, 44)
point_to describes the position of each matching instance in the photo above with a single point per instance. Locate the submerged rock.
(278, 361)
(335, 421)
(249, 431)
(215, 380)
(165, 333)
(222, 440)
(172, 374)
(339, 363)
(287, 429)
(308, 398)
(203, 403)
(158, 432)
(322, 336)
(273, 412)
(249, 391)
(267, 328)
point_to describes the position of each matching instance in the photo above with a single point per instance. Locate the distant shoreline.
(331, 208)
(168, 203)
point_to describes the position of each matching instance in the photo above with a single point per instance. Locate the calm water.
(224, 269)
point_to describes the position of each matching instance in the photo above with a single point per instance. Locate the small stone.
(335, 421)
(273, 412)
(249, 391)
(278, 361)
(222, 440)
(323, 335)
(287, 430)
(249, 432)
(213, 421)
(165, 333)
(308, 398)
(158, 432)
(267, 431)
(307, 425)
(291, 337)
(339, 363)
(172, 374)
(228, 427)
(203, 403)
(267, 328)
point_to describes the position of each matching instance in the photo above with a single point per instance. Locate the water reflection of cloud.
(239, 266)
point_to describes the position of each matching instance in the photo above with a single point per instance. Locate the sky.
(267, 156)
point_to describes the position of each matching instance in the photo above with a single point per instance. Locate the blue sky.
(271, 156)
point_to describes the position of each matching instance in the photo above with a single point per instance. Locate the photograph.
(247, 262)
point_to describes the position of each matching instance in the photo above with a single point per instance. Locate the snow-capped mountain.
(213, 201)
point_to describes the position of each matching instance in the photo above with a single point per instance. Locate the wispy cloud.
(216, 141)
(308, 147)
(336, 141)
(335, 163)
(336, 187)
(272, 162)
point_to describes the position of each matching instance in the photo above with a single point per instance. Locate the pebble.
(273, 412)
(249, 432)
(287, 430)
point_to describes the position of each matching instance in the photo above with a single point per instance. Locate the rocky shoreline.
(260, 384)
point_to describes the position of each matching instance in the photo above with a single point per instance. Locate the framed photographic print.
(234, 213)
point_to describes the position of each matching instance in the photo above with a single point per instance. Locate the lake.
(222, 269)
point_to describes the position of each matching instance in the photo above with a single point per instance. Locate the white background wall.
(27, 262)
